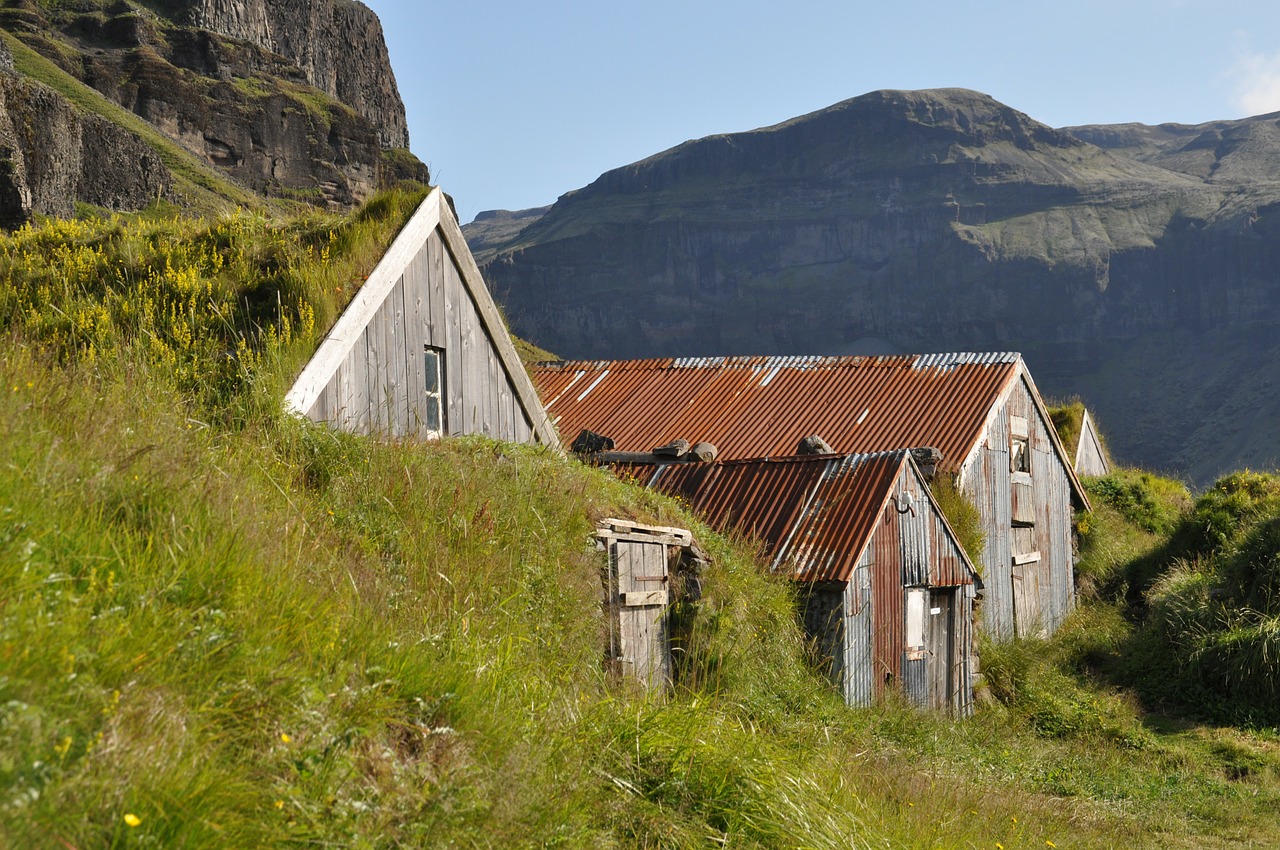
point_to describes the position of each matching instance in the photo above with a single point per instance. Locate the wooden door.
(641, 583)
(1027, 617)
(940, 644)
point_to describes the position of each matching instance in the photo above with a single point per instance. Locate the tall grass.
(221, 627)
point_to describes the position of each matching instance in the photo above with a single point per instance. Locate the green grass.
(241, 630)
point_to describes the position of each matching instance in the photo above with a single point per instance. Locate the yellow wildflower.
(284, 736)
(132, 819)
(1050, 843)
(279, 804)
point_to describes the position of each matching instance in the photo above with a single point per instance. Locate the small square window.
(433, 386)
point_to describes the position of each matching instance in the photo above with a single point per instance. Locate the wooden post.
(637, 597)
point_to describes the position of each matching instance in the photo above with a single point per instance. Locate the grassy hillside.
(220, 627)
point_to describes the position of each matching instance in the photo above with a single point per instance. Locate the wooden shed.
(421, 351)
(982, 411)
(888, 590)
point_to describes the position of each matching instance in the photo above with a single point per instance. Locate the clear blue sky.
(515, 103)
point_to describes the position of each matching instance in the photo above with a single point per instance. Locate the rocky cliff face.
(940, 220)
(52, 156)
(337, 44)
(289, 98)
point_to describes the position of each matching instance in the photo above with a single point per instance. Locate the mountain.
(1135, 266)
(216, 99)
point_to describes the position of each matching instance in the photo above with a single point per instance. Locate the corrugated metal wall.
(988, 483)
(859, 682)
(381, 386)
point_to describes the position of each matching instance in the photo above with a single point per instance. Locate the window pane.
(433, 413)
(432, 372)
(1021, 455)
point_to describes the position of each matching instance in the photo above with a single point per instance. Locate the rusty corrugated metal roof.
(751, 407)
(812, 515)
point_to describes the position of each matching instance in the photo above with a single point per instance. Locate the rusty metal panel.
(763, 406)
(812, 515)
(888, 605)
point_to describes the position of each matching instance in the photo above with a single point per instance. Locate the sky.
(512, 104)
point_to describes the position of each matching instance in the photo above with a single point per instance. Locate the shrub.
(1222, 513)
(1146, 500)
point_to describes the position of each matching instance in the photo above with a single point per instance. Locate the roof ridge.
(794, 361)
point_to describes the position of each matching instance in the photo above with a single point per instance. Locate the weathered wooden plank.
(435, 292)
(496, 328)
(454, 297)
(638, 598)
(397, 364)
(613, 527)
(414, 293)
(335, 347)
(378, 370)
(474, 371)
(361, 383)
(493, 409)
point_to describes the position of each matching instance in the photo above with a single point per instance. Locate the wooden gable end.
(1091, 458)
(422, 350)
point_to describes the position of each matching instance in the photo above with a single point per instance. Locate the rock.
(293, 99)
(927, 459)
(589, 442)
(118, 170)
(51, 157)
(675, 448)
(338, 45)
(814, 445)
(704, 452)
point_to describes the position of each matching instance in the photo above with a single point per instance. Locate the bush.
(1148, 501)
(1222, 514)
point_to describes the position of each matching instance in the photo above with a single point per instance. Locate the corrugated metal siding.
(915, 681)
(814, 515)
(834, 523)
(888, 616)
(763, 406)
(858, 683)
(988, 482)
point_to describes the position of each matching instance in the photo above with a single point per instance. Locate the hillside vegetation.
(221, 627)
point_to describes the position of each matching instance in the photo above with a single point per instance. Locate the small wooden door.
(1027, 617)
(642, 605)
(637, 598)
(940, 645)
